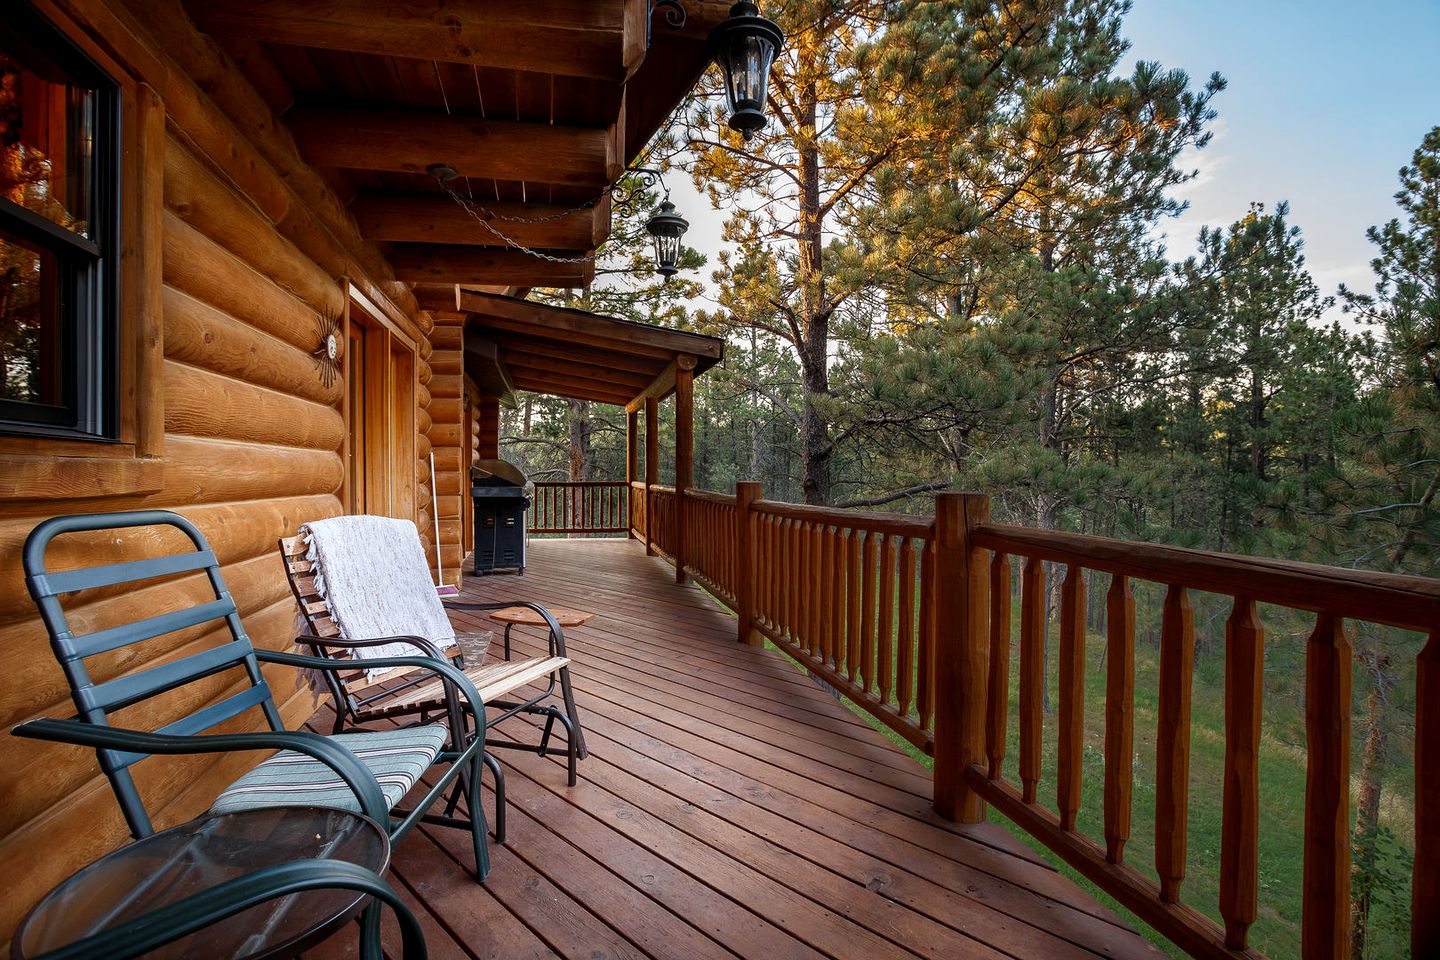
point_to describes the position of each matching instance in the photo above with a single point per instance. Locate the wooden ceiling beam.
(409, 141)
(529, 371)
(578, 38)
(622, 379)
(563, 350)
(663, 385)
(630, 337)
(540, 382)
(406, 218)
(439, 263)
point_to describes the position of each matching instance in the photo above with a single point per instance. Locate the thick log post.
(961, 638)
(632, 467)
(652, 469)
(746, 493)
(684, 454)
(1425, 883)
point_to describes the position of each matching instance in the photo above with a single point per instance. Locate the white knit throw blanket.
(373, 574)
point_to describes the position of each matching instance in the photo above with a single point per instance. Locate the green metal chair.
(368, 772)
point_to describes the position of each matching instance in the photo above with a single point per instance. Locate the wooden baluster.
(1032, 674)
(925, 681)
(1425, 881)
(868, 574)
(998, 713)
(906, 641)
(837, 598)
(1069, 762)
(854, 573)
(1172, 742)
(815, 614)
(886, 640)
(1119, 714)
(1239, 847)
(1325, 911)
(828, 600)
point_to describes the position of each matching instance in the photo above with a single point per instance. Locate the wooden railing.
(580, 506)
(911, 619)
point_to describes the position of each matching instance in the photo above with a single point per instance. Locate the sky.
(1326, 100)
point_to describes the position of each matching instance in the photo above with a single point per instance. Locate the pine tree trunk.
(579, 424)
(815, 449)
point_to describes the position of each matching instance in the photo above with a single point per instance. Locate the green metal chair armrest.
(349, 767)
(557, 636)
(453, 677)
(180, 919)
(420, 643)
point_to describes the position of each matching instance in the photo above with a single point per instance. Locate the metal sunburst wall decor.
(327, 354)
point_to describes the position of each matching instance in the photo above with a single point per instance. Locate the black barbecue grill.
(501, 493)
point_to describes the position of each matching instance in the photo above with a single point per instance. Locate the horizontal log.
(51, 480)
(408, 141)
(201, 199)
(437, 263)
(446, 435)
(200, 403)
(1402, 601)
(449, 334)
(200, 267)
(236, 531)
(217, 471)
(203, 336)
(407, 218)
(555, 36)
(446, 387)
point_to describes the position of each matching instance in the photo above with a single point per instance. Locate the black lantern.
(745, 45)
(667, 227)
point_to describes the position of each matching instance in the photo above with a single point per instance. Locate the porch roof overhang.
(523, 345)
(537, 105)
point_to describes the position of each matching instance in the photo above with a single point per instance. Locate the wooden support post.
(652, 469)
(632, 468)
(489, 428)
(1425, 882)
(684, 453)
(1325, 904)
(746, 493)
(961, 638)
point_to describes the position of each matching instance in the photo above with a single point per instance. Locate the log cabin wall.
(234, 248)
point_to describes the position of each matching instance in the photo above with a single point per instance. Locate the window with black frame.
(59, 153)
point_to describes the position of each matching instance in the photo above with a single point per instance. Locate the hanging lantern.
(745, 46)
(667, 228)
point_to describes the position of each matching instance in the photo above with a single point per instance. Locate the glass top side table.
(186, 860)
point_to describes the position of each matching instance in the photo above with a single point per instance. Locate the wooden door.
(380, 410)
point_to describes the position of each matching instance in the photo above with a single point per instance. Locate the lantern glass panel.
(747, 71)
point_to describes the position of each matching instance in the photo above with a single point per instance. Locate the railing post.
(652, 469)
(746, 493)
(961, 655)
(684, 458)
(632, 468)
(1425, 884)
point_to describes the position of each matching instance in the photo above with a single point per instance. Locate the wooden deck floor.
(729, 807)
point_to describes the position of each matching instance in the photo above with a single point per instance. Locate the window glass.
(47, 138)
(59, 166)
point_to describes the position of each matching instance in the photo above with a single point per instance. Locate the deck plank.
(729, 808)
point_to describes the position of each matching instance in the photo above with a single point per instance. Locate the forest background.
(942, 271)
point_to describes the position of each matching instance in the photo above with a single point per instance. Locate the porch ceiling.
(537, 104)
(573, 353)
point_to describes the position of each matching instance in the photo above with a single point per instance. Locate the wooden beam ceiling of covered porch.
(585, 356)
(538, 105)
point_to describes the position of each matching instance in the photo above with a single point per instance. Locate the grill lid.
(496, 472)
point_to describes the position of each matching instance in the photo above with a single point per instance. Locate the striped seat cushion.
(397, 758)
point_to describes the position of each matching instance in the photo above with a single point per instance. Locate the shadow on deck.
(729, 807)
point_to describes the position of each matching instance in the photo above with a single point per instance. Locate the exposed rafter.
(409, 141)
(441, 263)
(406, 218)
(565, 37)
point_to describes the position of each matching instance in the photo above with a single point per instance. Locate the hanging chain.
(623, 198)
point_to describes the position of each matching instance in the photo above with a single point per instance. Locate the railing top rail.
(581, 483)
(897, 524)
(659, 488)
(1395, 599)
(709, 496)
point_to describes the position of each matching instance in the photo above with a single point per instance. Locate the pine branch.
(897, 495)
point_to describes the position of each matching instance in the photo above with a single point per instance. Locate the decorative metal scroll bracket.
(630, 189)
(675, 17)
